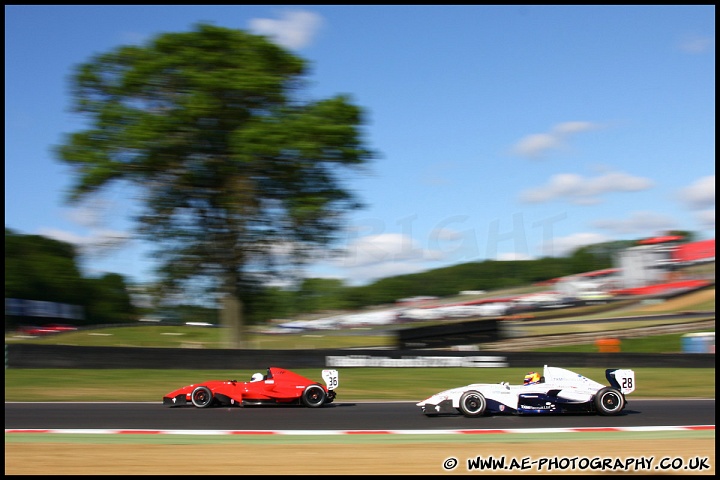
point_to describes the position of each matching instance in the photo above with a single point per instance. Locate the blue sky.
(504, 132)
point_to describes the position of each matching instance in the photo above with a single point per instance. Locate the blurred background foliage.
(43, 269)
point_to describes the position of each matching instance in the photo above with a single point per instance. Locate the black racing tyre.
(201, 397)
(313, 396)
(609, 401)
(472, 404)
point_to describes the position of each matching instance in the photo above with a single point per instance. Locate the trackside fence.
(65, 356)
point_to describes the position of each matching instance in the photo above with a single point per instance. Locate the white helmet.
(256, 377)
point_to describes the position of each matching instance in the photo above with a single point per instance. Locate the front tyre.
(313, 396)
(201, 397)
(609, 401)
(472, 404)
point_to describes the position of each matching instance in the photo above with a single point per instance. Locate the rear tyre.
(609, 401)
(313, 396)
(201, 397)
(472, 404)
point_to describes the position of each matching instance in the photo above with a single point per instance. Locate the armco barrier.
(64, 356)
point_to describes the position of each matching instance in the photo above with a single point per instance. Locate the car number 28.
(626, 380)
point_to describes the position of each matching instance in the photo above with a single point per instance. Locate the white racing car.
(556, 391)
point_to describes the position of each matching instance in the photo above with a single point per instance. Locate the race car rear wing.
(623, 380)
(331, 379)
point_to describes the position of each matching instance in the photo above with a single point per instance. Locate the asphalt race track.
(345, 416)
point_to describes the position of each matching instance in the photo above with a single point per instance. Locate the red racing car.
(277, 387)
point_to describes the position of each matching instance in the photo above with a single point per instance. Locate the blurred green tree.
(43, 269)
(108, 299)
(239, 172)
(321, 294)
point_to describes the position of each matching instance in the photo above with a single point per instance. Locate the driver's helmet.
(531, 378)
(256, 377)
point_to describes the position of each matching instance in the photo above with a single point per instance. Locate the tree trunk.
(231, 318)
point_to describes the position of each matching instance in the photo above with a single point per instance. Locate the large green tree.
(240, 172)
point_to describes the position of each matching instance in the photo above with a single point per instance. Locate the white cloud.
(365, 274)
(513, 256)
(562, 246)
(89, 215)
(446, 234)
(379, 256)
(93, 216)
(568, 128)
(579, 190)
(385, 248)
(617, 182)
(696, 44)
(98, 242)
(699, 195)
(706, 219)
(294, 29)
(641, 222)
(537, 144)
